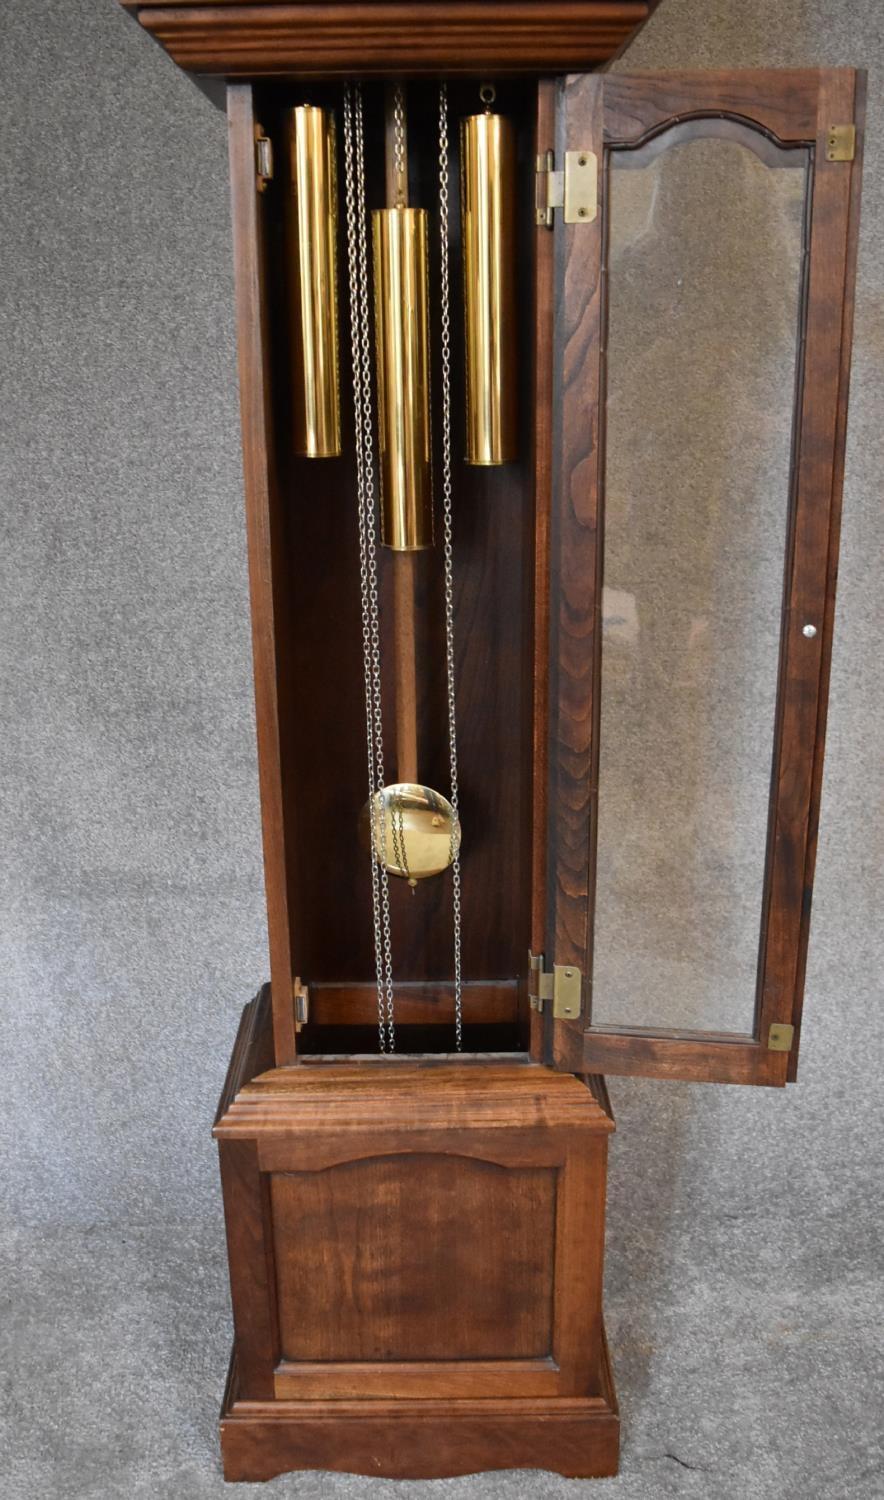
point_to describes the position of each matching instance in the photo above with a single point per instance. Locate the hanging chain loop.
(399, 152)
(371, 521)
(360, 337)
(448, 549)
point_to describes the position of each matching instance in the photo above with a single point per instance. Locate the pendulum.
(415, 831)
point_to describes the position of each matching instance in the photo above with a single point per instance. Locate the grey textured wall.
(744, 1272)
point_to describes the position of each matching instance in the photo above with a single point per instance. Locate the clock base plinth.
(403, 1439)
(415, 1248)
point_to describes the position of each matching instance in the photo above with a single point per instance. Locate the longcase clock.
(543, 375)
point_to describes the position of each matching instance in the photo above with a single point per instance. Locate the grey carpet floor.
(744, 1252)
(747, 1385)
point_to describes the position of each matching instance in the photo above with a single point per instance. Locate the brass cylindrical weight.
(312, 211)
(488, 176)
(403, 353)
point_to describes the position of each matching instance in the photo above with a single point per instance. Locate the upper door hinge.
(575, 189)
(841, 143)
(263, 158)
(563, 987)
(301, 998)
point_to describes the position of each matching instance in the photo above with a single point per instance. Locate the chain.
(448, 551)
(397, 831)
(352, 266)
(374, 607)
(399, 145)
(357, 261)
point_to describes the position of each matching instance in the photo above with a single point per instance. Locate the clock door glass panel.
(702, 343)
(706, 237)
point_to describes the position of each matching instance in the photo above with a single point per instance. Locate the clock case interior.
(320, 683)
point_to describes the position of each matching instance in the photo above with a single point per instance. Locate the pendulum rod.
(404, 602)
(404, 564)
(405, 663)
(357, 260)
(448, 550)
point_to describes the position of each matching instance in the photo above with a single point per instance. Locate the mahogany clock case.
(415, 1242)
(309, 1152)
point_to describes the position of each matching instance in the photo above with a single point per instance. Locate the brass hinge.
(301, 998)
(779, 1038)
(841, 143)
(540, 985)
(562, 987)
(263, 158)
(574, 190)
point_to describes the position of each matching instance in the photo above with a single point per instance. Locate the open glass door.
(704, 299)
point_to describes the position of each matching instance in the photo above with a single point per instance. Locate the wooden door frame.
(600, 112)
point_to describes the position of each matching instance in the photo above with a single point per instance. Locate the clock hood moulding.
(408, 37)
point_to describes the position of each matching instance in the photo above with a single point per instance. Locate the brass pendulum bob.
(415, 833)
(412, 828)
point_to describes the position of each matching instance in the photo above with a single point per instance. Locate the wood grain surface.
(428, 1439)
(270, 598)
(392, 36)
(451, 1216)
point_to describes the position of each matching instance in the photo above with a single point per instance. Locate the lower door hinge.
(574, 190)
(780, 1036)
(563, 987)
(301, 998)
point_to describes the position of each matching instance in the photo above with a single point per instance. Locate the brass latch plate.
(841, 143)
(779, 1038)
(563, 987)
(574, 189)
